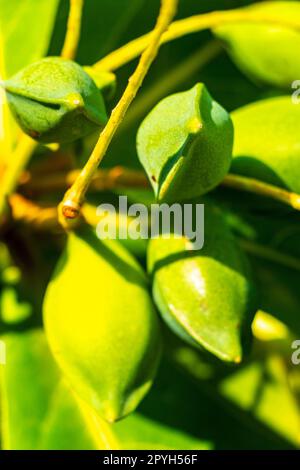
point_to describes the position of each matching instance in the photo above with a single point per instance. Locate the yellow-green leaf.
(25, 32)
(266, 52)
(38, 411)
(266, 143)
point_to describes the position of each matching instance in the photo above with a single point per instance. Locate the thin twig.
(71, 204)
(165, 84)
(269, 254)
(193, 24)
(262, 189)
(120, 177)
(117, 177)
(26, 146)
(25, 211)
(73, 29)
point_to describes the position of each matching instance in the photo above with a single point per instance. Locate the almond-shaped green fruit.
(185, 145)
(207, 296)
(55, 100)
(267, 51)
(266, 144)
(101, 324)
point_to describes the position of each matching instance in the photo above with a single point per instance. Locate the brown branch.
(120, 177)
(25, 211)
(103, 180)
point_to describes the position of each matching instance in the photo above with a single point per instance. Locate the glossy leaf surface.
(17, 23)
(266, 52)
(46, 414)
(266, 144)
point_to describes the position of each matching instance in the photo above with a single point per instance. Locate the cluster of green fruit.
(100, 318)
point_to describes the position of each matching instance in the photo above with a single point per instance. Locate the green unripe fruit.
(205, 296)
(266, 144)
(266, 52)
(101, 324)
(185, 145)
(55, 100)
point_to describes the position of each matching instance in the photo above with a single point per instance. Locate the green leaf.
(183, 413)
(273, 246)
(266, 144)
(205, 296)
(25, 31)
(266, 395)
(168, 418)
(185, 145)
(66, 427)
(267, 53)
(14, 308)
(279, 291)
(258, 395)
(101, 324)
(103, 30)
(38, 410)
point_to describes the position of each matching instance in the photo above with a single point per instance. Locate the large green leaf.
(102, 29)
(25, 31)
(258, 394)
(13, 307)
(266, 144)
(266, 395)
(26, 28)
(273, 245)
(266, 52)
(181, 413)
(279, 291)
(38, 410)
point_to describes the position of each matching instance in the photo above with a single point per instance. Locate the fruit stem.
(120, 177)
(262, 189)
(269, 254)
(189, 25)
(70, 207)
(73, 29)
(45, 218)
(103, 180)
(166, 84)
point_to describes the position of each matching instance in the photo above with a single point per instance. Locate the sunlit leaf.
(25, 31)
(264, 51)
(38, 410)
